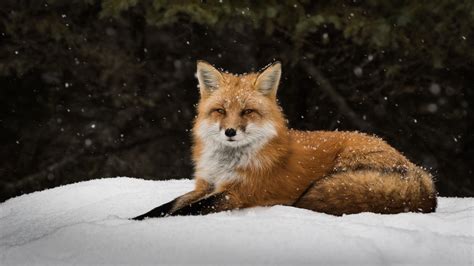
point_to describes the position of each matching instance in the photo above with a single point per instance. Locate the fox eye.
(247, 111)
(220, 111)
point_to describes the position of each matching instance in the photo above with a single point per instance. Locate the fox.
(245, 155)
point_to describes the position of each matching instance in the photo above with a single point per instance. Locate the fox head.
(238, 110)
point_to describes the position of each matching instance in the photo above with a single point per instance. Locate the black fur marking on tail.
(310, 186)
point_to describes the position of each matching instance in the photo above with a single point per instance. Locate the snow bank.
(86, 223)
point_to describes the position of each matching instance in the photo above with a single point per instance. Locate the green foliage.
(411, 27)
(115, 7)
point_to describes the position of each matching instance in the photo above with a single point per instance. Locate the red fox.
(245, 156)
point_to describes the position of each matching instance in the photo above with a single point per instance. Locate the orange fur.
(332, 172)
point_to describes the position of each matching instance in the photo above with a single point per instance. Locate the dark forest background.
(92, 89)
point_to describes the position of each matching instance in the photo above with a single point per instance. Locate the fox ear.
(209, 77)
(268, 80)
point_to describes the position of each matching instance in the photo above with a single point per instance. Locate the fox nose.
(230, 132)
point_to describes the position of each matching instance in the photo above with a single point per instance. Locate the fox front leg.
(201, 189)
(160, 211)
(213, 203)
(168, 208)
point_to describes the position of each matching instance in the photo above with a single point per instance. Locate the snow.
(86, 223)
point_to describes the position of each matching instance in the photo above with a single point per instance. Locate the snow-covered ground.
(86, 223)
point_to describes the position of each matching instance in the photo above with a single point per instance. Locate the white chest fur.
(218, 163)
